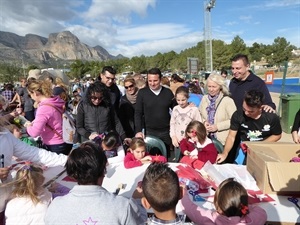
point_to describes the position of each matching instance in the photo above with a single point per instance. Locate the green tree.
(281, 51)
(221, 55)
(238, 46)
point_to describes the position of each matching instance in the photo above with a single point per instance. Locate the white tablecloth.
(278, 211)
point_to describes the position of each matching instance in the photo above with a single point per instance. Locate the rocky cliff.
(63, 46)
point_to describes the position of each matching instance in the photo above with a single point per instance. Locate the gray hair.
(218, 79)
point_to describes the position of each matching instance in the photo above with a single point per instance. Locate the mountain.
(58, 47)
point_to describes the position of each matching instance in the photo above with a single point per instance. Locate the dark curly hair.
(98, 87)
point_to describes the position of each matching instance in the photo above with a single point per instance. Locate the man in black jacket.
(153, 107)
(108, 77)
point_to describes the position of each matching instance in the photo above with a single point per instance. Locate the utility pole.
(208, 5)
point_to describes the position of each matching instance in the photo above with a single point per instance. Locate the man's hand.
(140, 135)
(221, 157)
(268, 108)
(296, 137)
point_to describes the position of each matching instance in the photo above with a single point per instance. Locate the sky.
(146, 27)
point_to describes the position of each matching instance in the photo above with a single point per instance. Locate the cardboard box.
(269, 164)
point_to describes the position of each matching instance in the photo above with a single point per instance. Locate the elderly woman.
(216, 108)
(127, 106)
(95, 114)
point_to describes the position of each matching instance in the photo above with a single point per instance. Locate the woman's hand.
(93, 135)
(211, 128)
(27, 124)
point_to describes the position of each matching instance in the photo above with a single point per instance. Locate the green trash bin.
(290, 106)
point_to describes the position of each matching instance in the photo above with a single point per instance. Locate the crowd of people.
(187, 116)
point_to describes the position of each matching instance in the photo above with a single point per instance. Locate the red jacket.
(208, 152)
(130, 161)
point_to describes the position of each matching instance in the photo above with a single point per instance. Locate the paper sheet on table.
(221, 172)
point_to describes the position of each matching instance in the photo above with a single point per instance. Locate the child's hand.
(146, 159)
(138, 192)
(4, 172)
(175, 141)
(186, 152)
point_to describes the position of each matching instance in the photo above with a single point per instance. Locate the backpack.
(68, 127)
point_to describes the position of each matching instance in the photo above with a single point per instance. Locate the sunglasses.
(95, 98)
(130, 86)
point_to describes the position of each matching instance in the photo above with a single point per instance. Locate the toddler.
(137, 155)
(231, 203)
(29, 200)
(197, 145)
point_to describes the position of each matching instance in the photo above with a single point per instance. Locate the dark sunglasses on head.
(130, 86)
(99, 98)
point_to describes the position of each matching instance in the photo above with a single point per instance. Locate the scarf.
(211, 109)
(132, 98)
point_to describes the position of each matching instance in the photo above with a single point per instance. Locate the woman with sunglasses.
(127, 106)
(95, 113)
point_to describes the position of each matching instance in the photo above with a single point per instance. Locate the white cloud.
(231, 23)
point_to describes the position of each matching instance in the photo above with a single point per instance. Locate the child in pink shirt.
(137, 155)
(231, 203)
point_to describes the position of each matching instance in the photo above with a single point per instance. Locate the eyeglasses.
(94, 98)
(110, 78)
(130, 86)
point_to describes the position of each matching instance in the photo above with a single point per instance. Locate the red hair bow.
(244, 209)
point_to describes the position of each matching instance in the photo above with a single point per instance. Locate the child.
(231, 203)
(197, 145)
(29, 200)
(110, 143)
(137, 155)
(182, 115)
(162, 192)
(16, 131)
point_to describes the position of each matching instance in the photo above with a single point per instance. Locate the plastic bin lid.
(291, 96)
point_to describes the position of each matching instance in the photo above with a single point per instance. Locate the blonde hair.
(29, 179)
(219, 80)
(59, 83)
(136, 143)
(44, 87)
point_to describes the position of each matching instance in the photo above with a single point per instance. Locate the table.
(278, 211)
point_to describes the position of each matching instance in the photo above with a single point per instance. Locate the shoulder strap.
(219, 102)
(52, 127)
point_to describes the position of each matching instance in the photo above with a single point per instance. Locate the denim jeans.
(63, 148)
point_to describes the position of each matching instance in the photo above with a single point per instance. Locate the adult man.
(244, 80)
(87, 165)
(108, 77)
(251, 123)
(152, 107)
